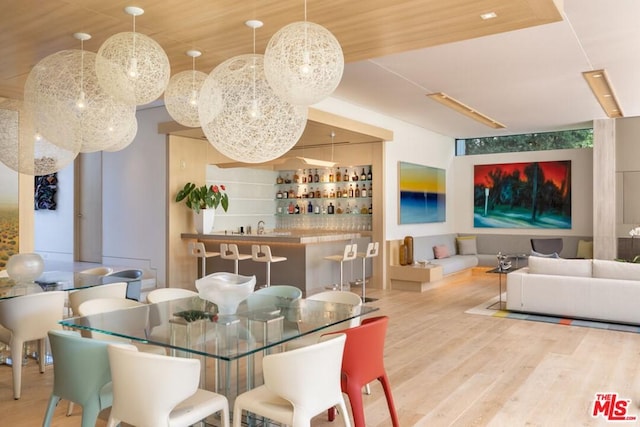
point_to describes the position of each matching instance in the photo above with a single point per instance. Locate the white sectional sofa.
(577, 288)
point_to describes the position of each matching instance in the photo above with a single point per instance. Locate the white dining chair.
(154, 390)
(98, 271)
(168, 294)
(29, 318)
(110, 290)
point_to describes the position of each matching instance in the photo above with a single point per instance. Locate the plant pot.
(204, 220)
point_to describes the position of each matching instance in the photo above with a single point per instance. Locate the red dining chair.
(363, 362)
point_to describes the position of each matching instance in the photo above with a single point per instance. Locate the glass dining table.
(55, 281)
(230, 347)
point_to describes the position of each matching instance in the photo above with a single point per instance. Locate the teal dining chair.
(81, 375)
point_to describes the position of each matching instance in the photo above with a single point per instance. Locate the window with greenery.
(581, 138)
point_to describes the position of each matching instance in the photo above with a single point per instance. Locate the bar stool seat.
(262, 253)
(371, 252)
(230, 251)
(350, 252)
(198, 250)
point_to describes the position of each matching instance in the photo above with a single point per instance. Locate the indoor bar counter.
(305, 250)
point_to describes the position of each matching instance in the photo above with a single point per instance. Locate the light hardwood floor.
(448, 368)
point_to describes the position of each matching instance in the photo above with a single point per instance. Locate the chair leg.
(341, 275)
(364, 283)
(354, 391)
(235, 270)
(16, 367)
(70, 409)
(53, 402)
(268, 274)
(204, 267)
(342, 409)
(392, 407)
(42, 354)
(90, 412)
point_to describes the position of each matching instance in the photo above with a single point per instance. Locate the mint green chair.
(81, 375)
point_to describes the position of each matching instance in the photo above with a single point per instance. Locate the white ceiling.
(530, 80)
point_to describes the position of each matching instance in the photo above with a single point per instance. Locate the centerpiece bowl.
(225, 290)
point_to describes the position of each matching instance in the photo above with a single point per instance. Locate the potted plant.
(203, 201)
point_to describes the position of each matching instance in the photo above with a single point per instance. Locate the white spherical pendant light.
(71, 107)
(127, 139)
(132, 66)
(253, 125)
(182, 94)
(303, 63)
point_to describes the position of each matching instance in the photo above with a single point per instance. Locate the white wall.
(411, 144)
(581, 191)
(53, 230)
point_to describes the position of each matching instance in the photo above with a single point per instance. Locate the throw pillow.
(585, 249)
(467, 245)
(538, 254)
(441, 251)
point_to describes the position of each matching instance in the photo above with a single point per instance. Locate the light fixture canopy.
(183, 92)
(600, 85)
(464, 109)
(132, 66)
(303, 63)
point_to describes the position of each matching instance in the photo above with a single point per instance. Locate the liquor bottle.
(325, 193)
(331, 175)
(296, 177)
(318, 195)
(279, 195)
(304, 176)
(345, 192)
(312, 193)
(290, 209)
(355, 176)
(345, 175)
(330, 209)
(370, 209)
(357, 192)
(279, 180)
(292, 195)
(338, 176)
(324, 209)
(310, 177)
(369, 174)
(338, 209)
(310, 207)
(296, 209)
(351, 190)
(332, 193)
(363, 176)
(316, 209)
(316, 177)
(287, 179)
(363, 193)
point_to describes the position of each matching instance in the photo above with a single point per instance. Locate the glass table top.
(192, 325)
(55, 281)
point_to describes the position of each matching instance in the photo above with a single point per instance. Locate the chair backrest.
(3, 273)
(268, 298)
(31, 316)
(81, 367)
(372, 250)
(308, 377)
(146, 387)
(132, 320)
(547, 246)
(229, 251)
(167, 294)
(350, 252)
(363, 359)
(129, 274)
(98, 271)
(261, 253)
(340, 297)
(197, 249)
(110, 290)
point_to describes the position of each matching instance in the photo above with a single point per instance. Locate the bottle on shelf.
(316, 177)
(351, 190)
(363, 176)
(369, 174)
(325, 193)
(296, 209)
(364, 210)
(290, 208)
(279, 194)
(355, 175)
(332, 193)
(330, 209)
(296, 177)
(310, 207)
(356, 193)
(370, 209)
(338, 175)
(304, 176)
(345, 175)
(287, 179)
(345, 192)
(309, 176)
(316, 208)
(292, 195)
(338, 209)
(311, 193)
(331, 175)
(363, 193)
(318, 195)
(279, 179)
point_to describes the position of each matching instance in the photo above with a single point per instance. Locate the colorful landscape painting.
(522, 195)
(422, 193)
(9, 218)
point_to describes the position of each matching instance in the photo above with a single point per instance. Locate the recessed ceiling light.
(604, 93)
(488, 15)
(461, 108)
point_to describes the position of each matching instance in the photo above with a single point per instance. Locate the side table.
(500, 272)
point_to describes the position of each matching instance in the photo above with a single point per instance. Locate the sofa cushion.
(605, 269)
(467, 245)
(441, 251)
(560, 267)
(539, 255)
(585, 249)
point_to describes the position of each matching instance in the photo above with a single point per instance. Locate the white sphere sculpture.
(133, 68)
(303, 63)
(253, 125)
(181, 97)
(26, 267)
(71, 108)
(24, 150)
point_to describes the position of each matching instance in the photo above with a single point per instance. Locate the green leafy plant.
(203, 197)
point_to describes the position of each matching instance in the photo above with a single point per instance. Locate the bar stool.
(262, 253)
(371, 252)
(230, 251)
(349, 254)
(197, 249)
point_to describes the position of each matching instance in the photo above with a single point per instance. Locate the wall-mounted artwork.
(522, 195)
(422, 193)
(46, 187)
(9, 214)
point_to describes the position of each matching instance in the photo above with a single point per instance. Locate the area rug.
(494, 312)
